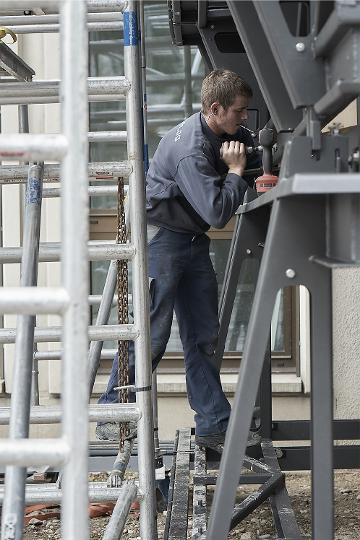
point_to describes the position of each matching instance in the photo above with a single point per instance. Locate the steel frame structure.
(70, 452)
(304, 60)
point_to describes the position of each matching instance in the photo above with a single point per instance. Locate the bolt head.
(248, 251)
(290, 273)
(300, 46)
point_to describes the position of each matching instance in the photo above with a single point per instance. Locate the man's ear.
(214, 108)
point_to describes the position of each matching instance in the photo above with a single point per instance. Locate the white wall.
(346, 324)
(41, 52)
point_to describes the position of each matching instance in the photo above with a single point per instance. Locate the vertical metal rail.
(157, 455)
(1, 267)
(102, 318)
(187, 99)
(140, 275)
(15, 477)
(74, 260)
(35, 377)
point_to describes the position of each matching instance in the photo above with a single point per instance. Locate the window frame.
(103, 227)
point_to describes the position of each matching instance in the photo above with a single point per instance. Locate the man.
(195, 181)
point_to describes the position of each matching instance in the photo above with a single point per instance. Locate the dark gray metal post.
(289, 245)
(321, 405)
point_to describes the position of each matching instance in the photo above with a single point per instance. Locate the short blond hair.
(224, 86)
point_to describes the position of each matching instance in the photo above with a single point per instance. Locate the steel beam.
(293, 56)
(13, 64)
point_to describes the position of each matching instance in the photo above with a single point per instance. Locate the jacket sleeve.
(214, 199)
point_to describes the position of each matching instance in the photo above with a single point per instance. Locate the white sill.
(281, 383)
(174, 383)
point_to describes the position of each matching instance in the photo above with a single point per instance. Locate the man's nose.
(244, 115)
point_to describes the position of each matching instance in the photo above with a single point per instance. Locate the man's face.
(229, 120)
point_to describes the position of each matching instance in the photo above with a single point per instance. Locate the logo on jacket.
(178, 131)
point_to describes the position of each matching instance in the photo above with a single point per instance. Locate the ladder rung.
(15, 174)
(107, 136)
(33, 300)
(117, 412)
(28, 5)
(94, 191)
(53, 18)
(25, 147)
(98, 492)
(92, 26)
(26, 452)
(52, 251)
(113, 88)
(105, 5)
(106, 354)
(93, 5)
(125, 332)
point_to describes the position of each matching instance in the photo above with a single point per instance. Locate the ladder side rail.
(105, 306)
(143, 371)
(102, 318)
(154, 391)
(14, 499)
(74, 264)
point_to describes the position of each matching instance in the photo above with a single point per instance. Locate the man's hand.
(233, 153)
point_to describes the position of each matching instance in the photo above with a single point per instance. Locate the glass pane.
(165, 87)
(219, 250)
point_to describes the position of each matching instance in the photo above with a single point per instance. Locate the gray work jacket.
(188, 188)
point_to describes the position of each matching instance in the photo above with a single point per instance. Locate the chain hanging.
(122, 304)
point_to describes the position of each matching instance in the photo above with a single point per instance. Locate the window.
(167, 107)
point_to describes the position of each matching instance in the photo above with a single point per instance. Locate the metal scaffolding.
(71, 300)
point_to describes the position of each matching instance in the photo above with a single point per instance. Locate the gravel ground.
(259, 524)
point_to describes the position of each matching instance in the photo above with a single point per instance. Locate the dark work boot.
(216, 441)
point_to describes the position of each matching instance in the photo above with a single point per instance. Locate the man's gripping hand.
(233, 153)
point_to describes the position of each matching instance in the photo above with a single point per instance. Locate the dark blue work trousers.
(182, 278)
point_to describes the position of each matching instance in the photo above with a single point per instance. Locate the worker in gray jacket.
(195, 181)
